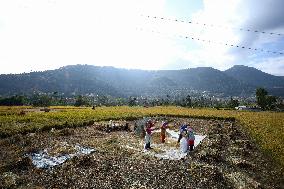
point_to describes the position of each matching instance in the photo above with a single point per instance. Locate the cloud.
(272, 65)
(228, 17)
(35, 35)
(267, 15)
(220, 13)
(47, 34)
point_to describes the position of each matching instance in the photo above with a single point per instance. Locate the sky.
(38, 35)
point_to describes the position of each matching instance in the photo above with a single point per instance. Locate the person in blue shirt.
(182, 128)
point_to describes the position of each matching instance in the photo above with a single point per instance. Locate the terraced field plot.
(226, 158)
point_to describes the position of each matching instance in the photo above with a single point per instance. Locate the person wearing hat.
(182, 128)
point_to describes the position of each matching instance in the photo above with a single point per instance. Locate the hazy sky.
(48, 34)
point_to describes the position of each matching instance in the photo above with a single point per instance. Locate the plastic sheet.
(43, 160)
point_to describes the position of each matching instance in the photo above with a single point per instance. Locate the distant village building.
(241, 108)
(249, 108)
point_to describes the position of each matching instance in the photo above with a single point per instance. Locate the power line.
(213, 25)
(214, 42)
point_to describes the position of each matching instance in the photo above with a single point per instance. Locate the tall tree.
(81, 101)
(233, 103)
(41, 100)
(271, 102)
(265, 101)
(261, 97)
(132, 101)
(188, 101)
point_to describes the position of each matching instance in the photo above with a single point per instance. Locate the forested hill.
(86, 79)
(257, 78)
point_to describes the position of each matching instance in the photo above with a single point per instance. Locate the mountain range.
(87, 79)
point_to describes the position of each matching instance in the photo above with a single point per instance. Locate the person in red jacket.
(148, 137)
(191, 138)
(163, 131)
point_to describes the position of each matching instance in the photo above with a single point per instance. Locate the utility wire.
(214, 42)
(211, 25)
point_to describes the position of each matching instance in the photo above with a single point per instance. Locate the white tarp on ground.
(43, 160)
(172, 153)
(175, 134)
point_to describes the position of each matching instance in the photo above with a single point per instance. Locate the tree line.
(263, 101)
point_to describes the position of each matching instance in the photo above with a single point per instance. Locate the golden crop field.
(266, 128)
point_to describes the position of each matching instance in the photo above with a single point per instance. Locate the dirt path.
(226, 158)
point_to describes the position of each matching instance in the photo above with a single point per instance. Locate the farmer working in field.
(182, 128)
(149, 129)
(163, 131)
(183, 142)
(191, 138)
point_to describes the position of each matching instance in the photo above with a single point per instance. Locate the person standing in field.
(163, 131)
(184, 142)
(191, 138)
(182, 128)
(148, 136)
